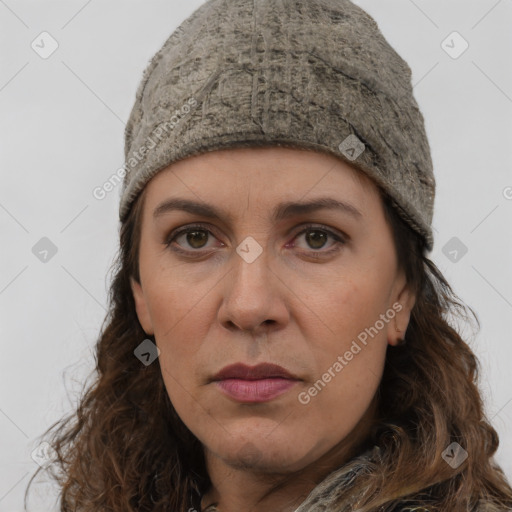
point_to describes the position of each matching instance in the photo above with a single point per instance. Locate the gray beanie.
(316, 74)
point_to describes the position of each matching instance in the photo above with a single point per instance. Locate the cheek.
(349, 308)
(182, 316)
(350, 358)
(345, 385)
(177, 306)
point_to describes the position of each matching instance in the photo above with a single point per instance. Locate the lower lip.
(255, 391)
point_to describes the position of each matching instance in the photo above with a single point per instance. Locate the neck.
(234, 489)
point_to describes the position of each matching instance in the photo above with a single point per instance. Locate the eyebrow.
(281, 211)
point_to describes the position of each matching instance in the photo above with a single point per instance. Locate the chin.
(260, 452)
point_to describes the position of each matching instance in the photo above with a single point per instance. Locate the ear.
(403, 301)
(141, 307)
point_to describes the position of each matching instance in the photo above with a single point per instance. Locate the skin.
(287, 307)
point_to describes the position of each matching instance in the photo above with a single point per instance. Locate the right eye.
(195, 236)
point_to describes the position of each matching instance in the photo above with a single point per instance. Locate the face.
(261, 278)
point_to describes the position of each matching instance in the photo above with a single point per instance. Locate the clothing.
(322, 497)
(316, 74)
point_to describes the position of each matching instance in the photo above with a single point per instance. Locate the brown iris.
(316, 239)
(197, 236)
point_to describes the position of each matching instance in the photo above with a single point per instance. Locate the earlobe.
(141, 307)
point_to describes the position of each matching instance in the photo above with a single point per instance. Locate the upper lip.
(260, 371)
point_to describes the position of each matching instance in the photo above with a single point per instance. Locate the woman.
(277, 338)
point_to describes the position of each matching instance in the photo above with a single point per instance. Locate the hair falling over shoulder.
(125, 448)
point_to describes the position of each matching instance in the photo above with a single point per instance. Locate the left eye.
(316, 237)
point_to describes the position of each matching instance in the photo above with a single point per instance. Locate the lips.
(259, 383)
(260, 371)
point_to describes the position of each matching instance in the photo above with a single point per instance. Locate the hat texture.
(316, 74)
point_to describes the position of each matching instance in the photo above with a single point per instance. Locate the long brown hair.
(126, 449)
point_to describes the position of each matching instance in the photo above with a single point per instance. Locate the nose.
(254, 296)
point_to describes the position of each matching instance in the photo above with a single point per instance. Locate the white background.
(61, 135)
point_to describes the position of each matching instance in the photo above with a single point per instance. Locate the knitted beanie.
(316, 74)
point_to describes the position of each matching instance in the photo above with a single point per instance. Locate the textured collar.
(323, 497)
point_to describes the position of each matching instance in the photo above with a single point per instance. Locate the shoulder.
(483, 505)
(487, 506)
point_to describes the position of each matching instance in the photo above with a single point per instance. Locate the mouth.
(255, 391)
(253, 384)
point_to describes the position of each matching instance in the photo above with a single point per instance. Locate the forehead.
(266, 172)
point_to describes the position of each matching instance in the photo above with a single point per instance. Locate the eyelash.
(309, 227)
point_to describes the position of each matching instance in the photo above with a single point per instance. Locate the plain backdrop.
(61, 135)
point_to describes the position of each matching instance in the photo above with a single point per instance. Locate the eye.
(194, 236)
(317, 236)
